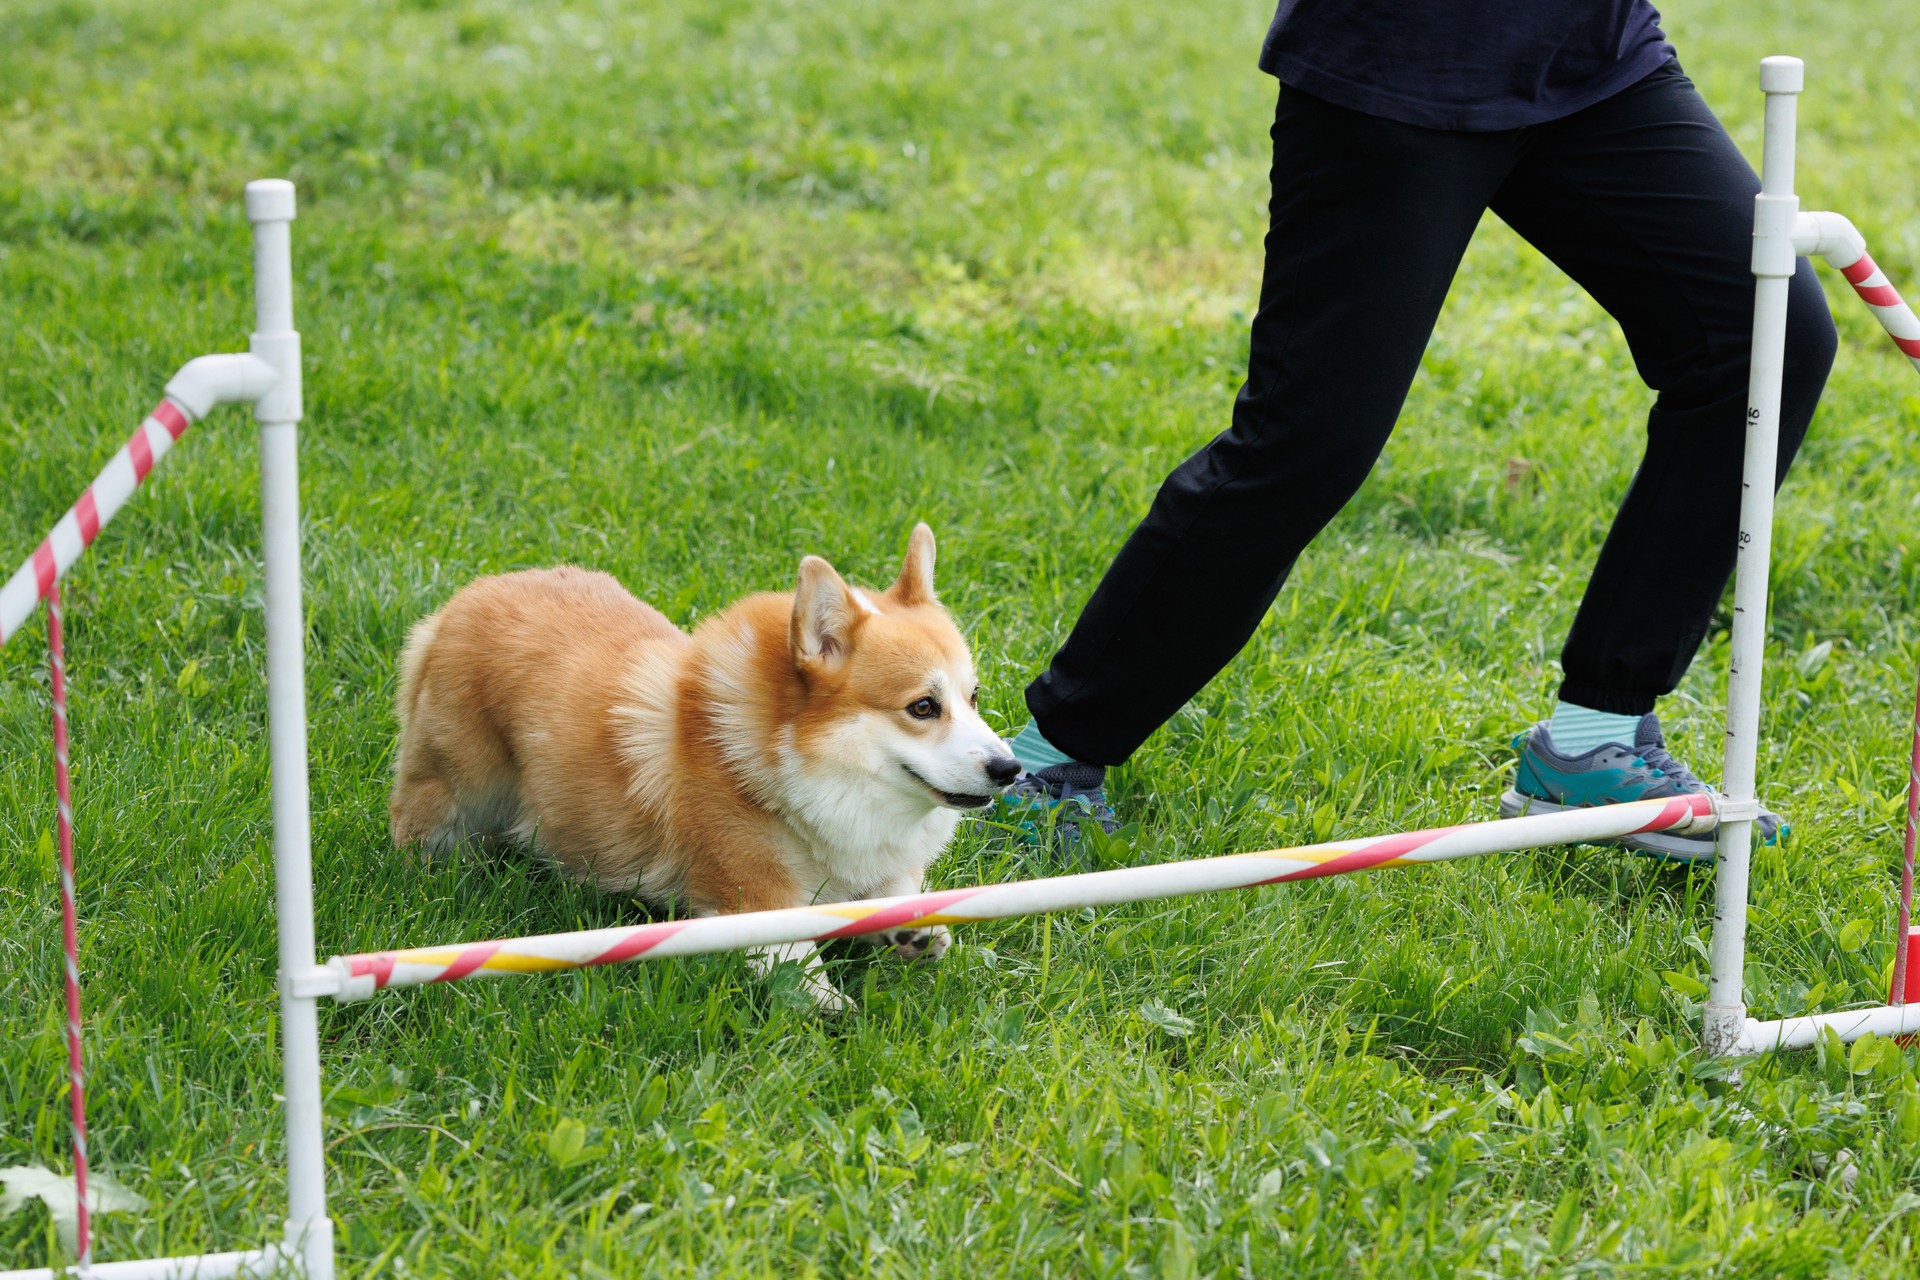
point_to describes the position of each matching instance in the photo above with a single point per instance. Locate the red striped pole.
(69, 916)
(77, 529)
(355, 977)
(1871, 283)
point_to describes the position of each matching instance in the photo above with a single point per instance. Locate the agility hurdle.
(1781, 233)
(269, 378)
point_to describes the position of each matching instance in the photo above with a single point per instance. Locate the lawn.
(685, 291)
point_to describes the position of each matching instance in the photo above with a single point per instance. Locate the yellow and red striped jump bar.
(358, 976)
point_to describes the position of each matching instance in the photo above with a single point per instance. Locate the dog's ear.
(915, 583)
(824, 618)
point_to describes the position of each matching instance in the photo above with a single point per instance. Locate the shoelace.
(1654, 755)
(1055, 791)
(1071, 781)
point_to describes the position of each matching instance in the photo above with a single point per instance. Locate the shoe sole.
(1649, 844)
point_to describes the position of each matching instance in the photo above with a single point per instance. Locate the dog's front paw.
(919, 944)
(827, 999)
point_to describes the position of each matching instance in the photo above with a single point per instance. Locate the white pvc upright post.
(1774, 212)
(270, 207)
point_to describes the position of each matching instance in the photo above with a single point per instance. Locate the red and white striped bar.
(202, 383)
(359, 976)
(82, 523)
(1895, 316)
(1832, 237)
(69, 923)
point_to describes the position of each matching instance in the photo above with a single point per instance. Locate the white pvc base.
(1804, 1033)
(201, 1266)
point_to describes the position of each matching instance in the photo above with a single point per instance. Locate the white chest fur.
(856, 837)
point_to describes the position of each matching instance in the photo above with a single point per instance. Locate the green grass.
(686, 292)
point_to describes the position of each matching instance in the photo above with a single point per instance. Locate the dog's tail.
(413, 661)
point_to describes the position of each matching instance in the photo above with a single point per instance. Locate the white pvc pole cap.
(1780, 74)
(270, 200)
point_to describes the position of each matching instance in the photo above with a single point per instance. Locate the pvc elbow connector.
(1830, 236)
(207, 381)
(347, 985)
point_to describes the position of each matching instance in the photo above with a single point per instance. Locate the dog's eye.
(924, 709)
(973, 699)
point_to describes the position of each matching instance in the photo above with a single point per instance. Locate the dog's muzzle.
(958, 799)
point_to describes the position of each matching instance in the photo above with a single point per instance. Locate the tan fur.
(754, 764)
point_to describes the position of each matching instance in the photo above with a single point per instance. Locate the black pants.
(1642, 199)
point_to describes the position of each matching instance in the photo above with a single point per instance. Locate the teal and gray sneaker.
(1614, 773)
(1049, 804)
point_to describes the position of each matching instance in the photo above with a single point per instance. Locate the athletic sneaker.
(1614, 773)
(1051, 803)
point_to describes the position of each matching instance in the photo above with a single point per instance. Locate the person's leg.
(1646, 202)
(1367, 224)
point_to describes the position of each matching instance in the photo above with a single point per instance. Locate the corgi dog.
(814, 746)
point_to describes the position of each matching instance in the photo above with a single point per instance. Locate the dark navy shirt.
(1464, 64)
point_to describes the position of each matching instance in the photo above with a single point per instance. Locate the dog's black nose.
(1002, 770)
